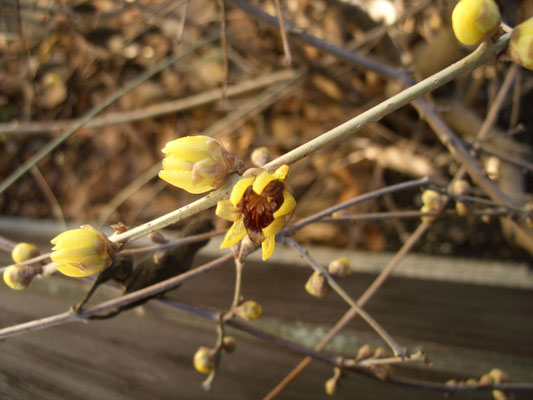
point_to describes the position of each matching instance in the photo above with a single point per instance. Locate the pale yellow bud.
(475, 20)
(19, 277)
(260, 156)
(249, 310)
(339, 268)
(521, 44)
(317, 285)
(24, 251)
(204, 360)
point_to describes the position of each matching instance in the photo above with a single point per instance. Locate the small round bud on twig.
(498, 375)
(432, 199)
(260, 156)
(380, 352)
(249, 310)
(365, 351)
(462, 208)
(204, 360)
(229, 344)
(317, 285)
(24, 251)
(521, 44)
(492, 166)
(460, 187)
(475, 20)
(19, 277)
(339, 268)
(485, 380)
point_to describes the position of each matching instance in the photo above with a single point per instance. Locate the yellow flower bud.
(317, 285)
(499, 395)
(498, 375)
(204, 360)
(427, 218)
(24, 251)
(229, 344)
(19, 277)
(82, 252)
(249, 310)
(521, 44)
(330, 387)
(197, 164)
(365, 351)
(260, 156)
(339, 267)
(475, 20)
(432, 199)
(460, 187)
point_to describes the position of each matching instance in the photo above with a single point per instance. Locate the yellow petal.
(94, 263)
(190, 148)
(263, 179)
(274, 227)
(71, 256)
(227, 210)
(287, 206)
(71, 270)
(183, 180)
(268, 247)
(74, 239)
(281, 172)
(238, 190)
(235, 233)
(173, 163)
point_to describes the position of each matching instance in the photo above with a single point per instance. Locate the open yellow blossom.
(258, 206)
(82, 252)
(475, 20)
(197, 164)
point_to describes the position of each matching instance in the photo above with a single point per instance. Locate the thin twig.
(115, 303)
(283, 34)
(50, 196)
(397, 350)
(155, 110)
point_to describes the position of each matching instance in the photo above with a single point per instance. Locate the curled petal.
(261, 181)
(183, 179)
(227, 211)
(235, 233)
(287, 206)
(238, 190)
(268, 247)
(276, 226)
(281, 172)
(189, 148)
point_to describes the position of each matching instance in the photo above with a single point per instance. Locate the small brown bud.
(204, 360)
(365, 351)
(260, 156)
(249, 310)
(317, 285)
(229, 344)
(119, 227)
(157, 237)
(339, 268)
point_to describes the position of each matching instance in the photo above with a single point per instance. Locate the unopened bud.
(460, 187)
(471, 382)
(498, 375)
(204, 360)
(462, 208)
(260, 156)
(249, 310)
(451, 382)
(521, 44)
(427, 218)
(486, 380)
(432, 199)
(119, 227)
(229, 344)
(380, 352)
(499, 395)
(24, 251)
(157, 237)
(317, 285)
(365, 351)
(339, 268)
(331, 386)
(475, 20)
(492, 166)
(19, 277)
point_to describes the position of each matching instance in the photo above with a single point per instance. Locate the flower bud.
(365, 351)
(475, 20)
(317, 285)
(19, 277)
(330, 386)
(229, 344)
(521, 44)
(462, 208)
(486, 380)
(82, 252)
(380, 352)
(249, 310)
(260, 156)
(197, 164)
(498, 375)
(460, 187)
(499, 395)
(471, 382)
(157, 237)
(427, 218)
(24, 251)
(492, 166)
(432, 199)
(204, 360)
(339, 268)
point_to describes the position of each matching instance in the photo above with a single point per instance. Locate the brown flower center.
(258, 209)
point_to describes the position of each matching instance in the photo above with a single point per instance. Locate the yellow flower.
(204, 360)
(521, 45)
(197, 164)
(475, 20)
(24, 251)
(258, 206)
(82, 252)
